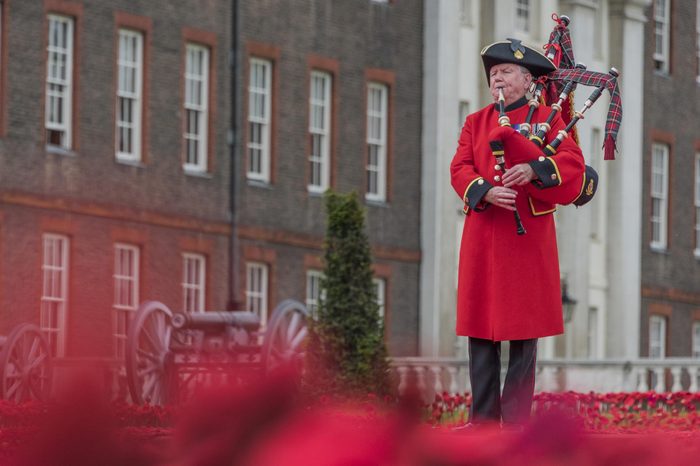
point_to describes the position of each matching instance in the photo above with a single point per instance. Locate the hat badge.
(517, 48)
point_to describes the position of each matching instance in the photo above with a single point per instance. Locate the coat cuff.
(474, 195)
(547, 172)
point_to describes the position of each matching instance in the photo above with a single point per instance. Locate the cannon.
(26, 365)
(168, 354)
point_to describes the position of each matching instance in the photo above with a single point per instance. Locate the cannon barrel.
(216, 320)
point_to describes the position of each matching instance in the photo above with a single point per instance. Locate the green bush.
(346, 353)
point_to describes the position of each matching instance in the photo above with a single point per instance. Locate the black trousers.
(488, 404)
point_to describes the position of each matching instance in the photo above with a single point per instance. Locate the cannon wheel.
(149, 368)
(285, 337)
(25, 365)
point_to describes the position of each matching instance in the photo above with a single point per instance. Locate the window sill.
(131, 163)
(662, 74)
(259, 183)
(376, 203)
(658, 249)
(197, 173)
(58, 150)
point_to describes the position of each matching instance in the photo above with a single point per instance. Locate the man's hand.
(501, 197)
(518, 175)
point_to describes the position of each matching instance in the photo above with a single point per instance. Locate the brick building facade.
(329, 97)
(671, 202)
(115, 179)
(130, 171)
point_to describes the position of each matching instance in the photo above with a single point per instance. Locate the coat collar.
(517, 104)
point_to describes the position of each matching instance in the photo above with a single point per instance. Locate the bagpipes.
(556, 89)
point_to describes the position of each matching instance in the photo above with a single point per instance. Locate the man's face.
(511, 79)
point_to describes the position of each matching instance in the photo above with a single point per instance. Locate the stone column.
(627, 18)
(440, 130)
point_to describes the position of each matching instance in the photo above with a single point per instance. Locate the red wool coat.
(508, 287)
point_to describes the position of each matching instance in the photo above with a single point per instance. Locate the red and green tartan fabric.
(560, 40)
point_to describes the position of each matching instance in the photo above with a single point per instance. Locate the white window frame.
(697, 205)
(523, 16)
(129, 96)
(320, 108)
(59, 80)
(696, 339)
(697, 39)
(657, 337)
(194, 282)
(377, 141)
(54, 294)
(314, 292)
(659, 195)
(662, 26)
(126, 293)
(256, 290)
(259, 119)
(379, 284)
(196, 107)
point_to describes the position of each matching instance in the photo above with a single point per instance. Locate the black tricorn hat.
(514, 51)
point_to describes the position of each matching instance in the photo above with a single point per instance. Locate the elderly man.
(508, 287)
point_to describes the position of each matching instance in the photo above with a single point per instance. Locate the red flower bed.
(267, 424)
(596, 412)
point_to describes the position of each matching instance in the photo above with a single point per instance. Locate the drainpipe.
(233, 302)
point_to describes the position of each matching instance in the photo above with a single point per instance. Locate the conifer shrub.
(346, 353)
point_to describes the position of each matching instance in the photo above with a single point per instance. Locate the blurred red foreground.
(267, 424)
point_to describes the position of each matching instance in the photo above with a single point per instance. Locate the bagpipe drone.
(555, 89)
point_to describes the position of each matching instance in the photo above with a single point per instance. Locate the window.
(696, 339)
(314, 293)
(380, 294)
(59, 81)
(193, 282)
(596, 144)
(54, 294)
(196, 107)
(459, 232)
(522, 15)
(697, 205)
(377, 125)
(697, 40)
(256, 290)
(319, 131)
(126, 293)
(129, 95)
(3, 68)
(463, 113)
(657, 337)
(259, 98)
(662, 20)
(659, 195)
